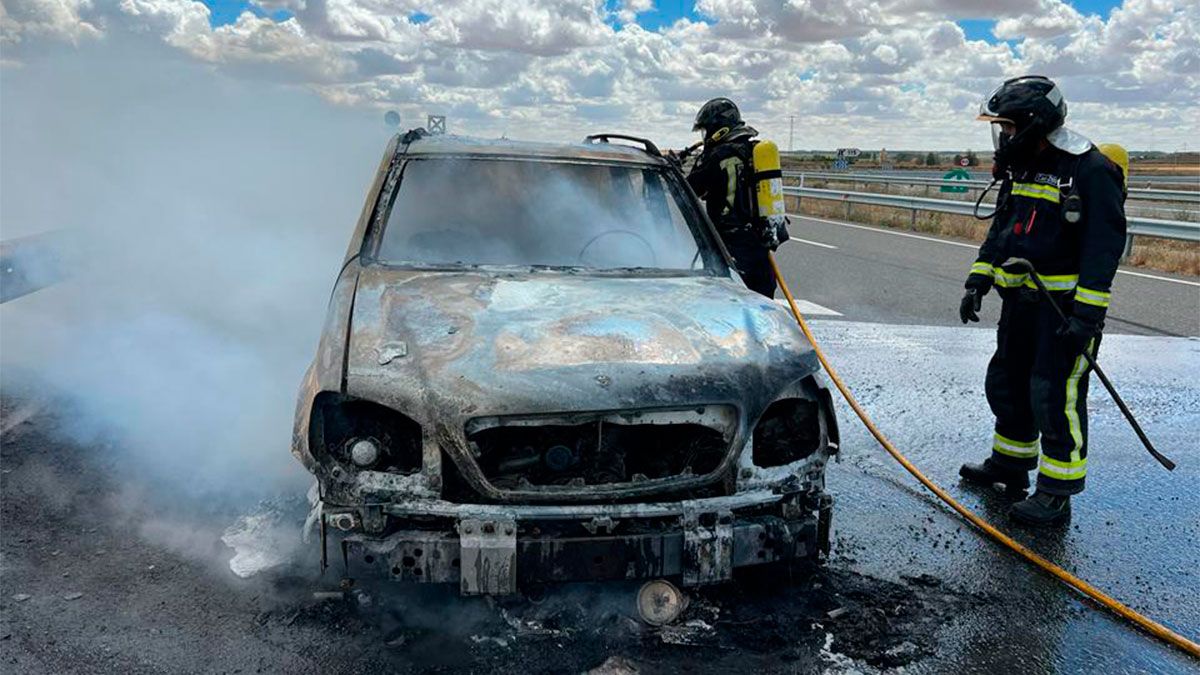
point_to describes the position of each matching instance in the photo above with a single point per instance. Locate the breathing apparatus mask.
(1000, 137)
(1008, 145)
(714, 137)
(1014, 148)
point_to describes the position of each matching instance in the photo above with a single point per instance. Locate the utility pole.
(791, 133)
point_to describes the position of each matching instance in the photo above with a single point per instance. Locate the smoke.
(208, 217)
(528, 213)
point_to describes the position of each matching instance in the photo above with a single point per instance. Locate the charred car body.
(538, 366)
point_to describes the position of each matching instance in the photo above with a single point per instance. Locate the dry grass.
(1166, 255)
(1171, 168)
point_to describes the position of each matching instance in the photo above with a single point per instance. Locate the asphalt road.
(894, 276)
(103, 570)
(1133, 532)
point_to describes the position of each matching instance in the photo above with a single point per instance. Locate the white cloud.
(894, 72)
(629, 9)
(57, 19)
(536, 26)
(794, 21)
(1051, 18)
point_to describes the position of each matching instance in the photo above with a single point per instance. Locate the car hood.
(439, 345)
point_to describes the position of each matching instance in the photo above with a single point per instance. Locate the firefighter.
(1060, 206)
(722, 177)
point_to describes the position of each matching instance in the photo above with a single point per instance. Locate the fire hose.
(1149, 625)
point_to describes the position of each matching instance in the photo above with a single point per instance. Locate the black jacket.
(722, 178)
(1079, 259)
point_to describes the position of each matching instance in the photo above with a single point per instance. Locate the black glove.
(977, 286)
(968, 309)
(1077, 333)
(774, 234)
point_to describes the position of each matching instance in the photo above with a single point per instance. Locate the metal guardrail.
(1141, 194)
(1147, 227)
(28, 264)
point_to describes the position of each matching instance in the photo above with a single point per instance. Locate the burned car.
(538, 366)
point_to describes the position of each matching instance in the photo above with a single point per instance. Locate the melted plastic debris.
(694, 632)
(260, 541)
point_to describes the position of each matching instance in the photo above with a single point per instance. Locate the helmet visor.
(1002, 133)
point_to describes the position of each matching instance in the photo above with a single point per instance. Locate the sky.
(902, 74)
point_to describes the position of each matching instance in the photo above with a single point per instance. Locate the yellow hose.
(1149, 625)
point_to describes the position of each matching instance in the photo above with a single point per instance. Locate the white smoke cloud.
(209, 216)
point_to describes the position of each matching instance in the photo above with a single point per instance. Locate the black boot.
(1042, 508)
(989, 473)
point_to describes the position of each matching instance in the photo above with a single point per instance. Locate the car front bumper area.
(495, 549)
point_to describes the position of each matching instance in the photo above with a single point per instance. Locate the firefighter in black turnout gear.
(722, 178)
(1060, 206)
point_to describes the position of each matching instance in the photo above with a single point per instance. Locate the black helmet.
(717, 114)
(1034, 106)
(1031, 102)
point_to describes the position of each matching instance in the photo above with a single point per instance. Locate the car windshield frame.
(709, 252)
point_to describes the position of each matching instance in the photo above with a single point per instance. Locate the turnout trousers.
(753, 263)
(1037, 389)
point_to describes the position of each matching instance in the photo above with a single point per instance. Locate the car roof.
(600, 151)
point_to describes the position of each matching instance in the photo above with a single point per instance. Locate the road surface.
(103, 570)
(885, 275)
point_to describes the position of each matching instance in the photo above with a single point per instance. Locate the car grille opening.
(596, 452)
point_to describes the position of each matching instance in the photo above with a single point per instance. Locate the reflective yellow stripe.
(730, 165)
(1021, 449)
(1058, 282)
(1053, 282)
(1077, 467)
(983, 268)
(1037, 191)
(1006, 280)
(1091, 301)
(1053, 468)
(1090, 297)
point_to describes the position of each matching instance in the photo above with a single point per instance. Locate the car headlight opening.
(365, 435)
(789, 430)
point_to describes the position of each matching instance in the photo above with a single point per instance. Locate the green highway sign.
(956, 174)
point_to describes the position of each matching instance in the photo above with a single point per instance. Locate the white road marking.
(809, 308)
(1152, 276)
(972, 246)
(812, 243)
(883, 231)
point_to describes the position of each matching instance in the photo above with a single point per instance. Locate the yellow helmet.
(1118, 155)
